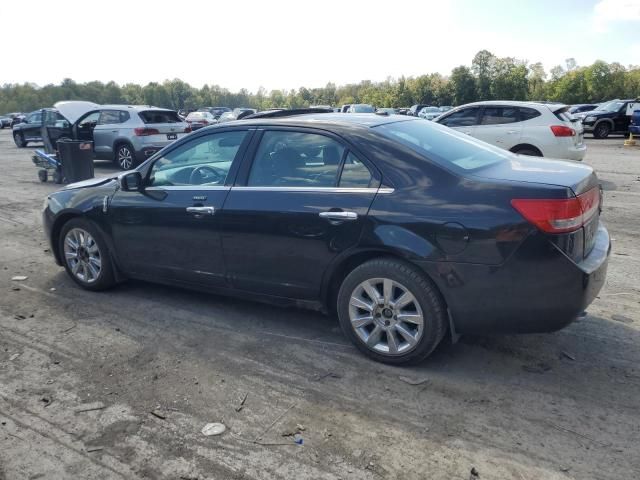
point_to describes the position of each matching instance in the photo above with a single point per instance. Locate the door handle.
(200, 211)
(339, 216)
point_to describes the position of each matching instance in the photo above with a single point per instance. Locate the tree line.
(488, 78)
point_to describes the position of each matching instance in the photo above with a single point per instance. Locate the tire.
(424, 316)
(602, 130)
(43, 175)
(528, 151)
(18, 138)
(57, 177)
(91, 268)
(125, 156)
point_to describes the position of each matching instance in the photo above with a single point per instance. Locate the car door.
(463, 120)
(85, 125)
(105, 132)
(170, 229)
(33, 127)
(301, 198)
(499, 125)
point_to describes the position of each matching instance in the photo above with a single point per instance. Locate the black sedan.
(406, 229)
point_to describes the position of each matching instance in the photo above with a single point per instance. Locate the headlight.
(590, 119)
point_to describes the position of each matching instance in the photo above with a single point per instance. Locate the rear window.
(528, 113)
(159, 116)
(563, 114)
(443, 145)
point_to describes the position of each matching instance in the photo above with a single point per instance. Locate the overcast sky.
(287, 43)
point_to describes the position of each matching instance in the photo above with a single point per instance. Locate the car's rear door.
(499, 125)
(106, 132)
(464, 120)
(301, 198)
(171, 229)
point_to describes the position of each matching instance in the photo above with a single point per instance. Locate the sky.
(286, 44)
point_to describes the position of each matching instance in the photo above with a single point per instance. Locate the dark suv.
(610, 117)
(28, 130)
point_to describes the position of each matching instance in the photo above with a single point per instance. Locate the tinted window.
(499, 115)
(159, 116)
(89, 120)
(295, 159)
(108, 117)
(462, 118)
(443, 145)
(202, 161)
(354, 173)
(528, 113)
(35, 117)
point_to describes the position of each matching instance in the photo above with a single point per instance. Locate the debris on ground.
(322, 376)
(241, 405)
(568, 355)
(298, 440)
(157, 414)
(539, 367)
(621, 318)
(413, 381)
(94, 449)
(474, 474)
(213, 429)
(19, 317)
(13, 357)
(19, 278)
(90, 407)
(47, 401)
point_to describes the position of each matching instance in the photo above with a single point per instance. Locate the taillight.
(560, 216)
(144, 132)
(563, 131)
(187, 130)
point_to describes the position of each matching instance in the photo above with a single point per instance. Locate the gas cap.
(452, 237)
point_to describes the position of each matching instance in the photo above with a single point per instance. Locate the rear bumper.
(538, 289)
(577, 152)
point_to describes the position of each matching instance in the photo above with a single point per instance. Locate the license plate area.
(172, 136)
(590, 231)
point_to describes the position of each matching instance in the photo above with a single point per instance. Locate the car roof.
(137, 108)
(515, 103)
(325, 120)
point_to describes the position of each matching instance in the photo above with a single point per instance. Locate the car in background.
(28, 130)
(5, 121)
(445, 108)
(610, 117)
(582, 108)
(215, 111)
(243, 112)
(361, 108)
(526, 128)
(402, 111)
(125, 134)
(634, 124)
(345, 108)
(429, 113)
(198, 120)
(227, 117)
(405, 228)
(325, 107)
(386, 111)
(17, 118)
(415, 109)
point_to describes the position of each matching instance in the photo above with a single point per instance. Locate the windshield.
(443, 145)
(611, 106)
(431, 110)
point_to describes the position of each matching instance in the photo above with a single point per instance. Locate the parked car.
(345, 108)
(445, 108)
(415, 109)
(197, 120)
(582, 108)
(634, 124)
(243, 112)
(215, 111)
(16, 117)
(361, 108)
(430, 113)
(126, 134)
(610, 117)
(405, 228)
(226, 117)
(402, 111)
(5, 121)
(28, 130)
(386, 111)
(526, 128)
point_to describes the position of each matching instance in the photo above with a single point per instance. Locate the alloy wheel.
(82, 254)
(125, 158)
(386, 316)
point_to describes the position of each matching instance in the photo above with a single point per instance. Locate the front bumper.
(538, 289)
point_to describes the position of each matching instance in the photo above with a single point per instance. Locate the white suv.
(527, 128)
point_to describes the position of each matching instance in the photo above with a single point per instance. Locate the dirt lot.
(80, 374)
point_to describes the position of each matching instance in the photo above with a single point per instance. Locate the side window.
(466, 117)
(528, 113)
(124, 116)
(202, 161)
(355, 174)
(35, 117)
(109, 117)
(499, 115)
(296, 159)
(89, 121)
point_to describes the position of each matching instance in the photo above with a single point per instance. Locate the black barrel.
(76, 157)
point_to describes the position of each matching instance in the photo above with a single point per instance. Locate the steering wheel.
(205, 174)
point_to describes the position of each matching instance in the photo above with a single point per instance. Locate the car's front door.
(33, 127)
(500, 126)
(300, 200)
(106, 132)
(170, 229)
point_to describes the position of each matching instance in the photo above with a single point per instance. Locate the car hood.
(92, 182)
(74, 109)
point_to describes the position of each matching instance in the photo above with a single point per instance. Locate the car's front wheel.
(85, 255)
(391, 311)
(125, 156)
(18, 138)
(602, 130)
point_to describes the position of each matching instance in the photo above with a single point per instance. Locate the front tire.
(602, 130)
(18, 138)
(391, 311)
(125, 156)
(85, 255)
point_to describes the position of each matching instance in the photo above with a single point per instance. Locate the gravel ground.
(119, 384)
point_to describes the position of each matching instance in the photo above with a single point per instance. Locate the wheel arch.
(526, 146)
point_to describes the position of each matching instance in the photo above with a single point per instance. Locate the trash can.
(76, 157)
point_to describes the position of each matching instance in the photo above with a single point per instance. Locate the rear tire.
(43, 175)
(18, 138)
(125, 156)
(602, 130)
(528, 151)
(405, 322)
(85, 255)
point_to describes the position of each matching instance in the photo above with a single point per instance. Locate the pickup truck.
(610, 117)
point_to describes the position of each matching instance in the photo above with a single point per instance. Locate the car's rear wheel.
(18, 138)
(528, 151)
(125, 156)
(391, 311)
(85, 255)
(602, 130)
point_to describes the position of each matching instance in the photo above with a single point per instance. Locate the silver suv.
(126, 134)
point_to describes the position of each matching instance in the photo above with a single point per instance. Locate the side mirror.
(130, 181)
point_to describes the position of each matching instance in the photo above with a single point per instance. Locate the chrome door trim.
(314, 189)
(189, 187)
